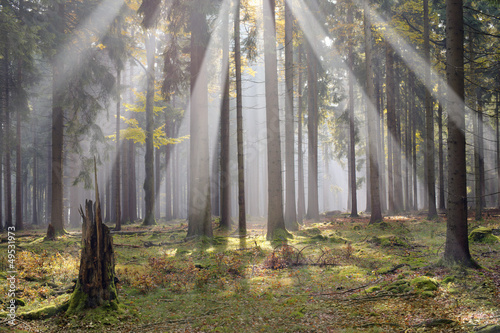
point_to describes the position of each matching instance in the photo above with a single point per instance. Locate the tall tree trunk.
(132, 182)
(199, 176)
(290, 207)
(429, 122)
(457, 244)
(157, 181)
(225, 173)
(275, 218)
(352, 144)
(380, 130)
(125, 183)
(312, 132)
(108, 193)
(35, 180)
(242, 222)
(391, 122)
(479, 157)
(397, 147)
(168, 170)
(19, 182)
(7, 147)
(300, 154)
(149, 181)
(376, 213)
(116, 199)
(57, 195)
(441, 205)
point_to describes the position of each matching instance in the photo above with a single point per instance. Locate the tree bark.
(352, 143)
(149, 181)
(290, 207)
(429, 122)
(116, 199)
(242, 220)
(225, 173)
(57, 194)
(312, 131)
(376, 213)
(275, 218)
(96, 278)
(19, 182)
(456, 249)
(200, 223)
(300, 154)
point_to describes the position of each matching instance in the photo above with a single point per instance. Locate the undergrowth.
(337, 275)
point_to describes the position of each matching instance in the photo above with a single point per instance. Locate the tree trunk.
(376, 213)
(351, 160)
(157, 181)
(168, 170)
(132, 206)
(290, 208)
(200, 223)
(125, 184)
(456, 249)
(391, 122)
(35, 180)
(225, 173)
(242, 220)
(19, 182)
(149, 181)
(312, 132)
(96, 278)
(429, 122)
(275, 218)
(441, 205)
(479, 157)
(116, 199)
(300, 156)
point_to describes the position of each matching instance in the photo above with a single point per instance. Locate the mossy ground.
(337, 275)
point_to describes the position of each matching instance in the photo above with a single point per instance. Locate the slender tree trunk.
(457, 244)
(300, 154)
(242, 222)
(199, 177)
(380, 130)
(352, 143)
(19, 182)
(441, 205)
(275, 218)
(376, 213)
(429, 122)
(132, 182)
(149, 181)
(391, 122)
(7, 147)
(225, 173)
(168, 170)
(312, 132)
(35, 180)
(57, 173)
(290, 207)
(157, 181)
(116, 199)
(125, 183)
(479, 157)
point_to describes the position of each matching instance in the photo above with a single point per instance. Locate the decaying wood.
(96, 279)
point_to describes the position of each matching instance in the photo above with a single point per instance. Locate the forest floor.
(337, 275)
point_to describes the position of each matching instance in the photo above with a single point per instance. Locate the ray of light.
(84, 38)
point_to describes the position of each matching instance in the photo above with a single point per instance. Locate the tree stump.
(96, 279)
